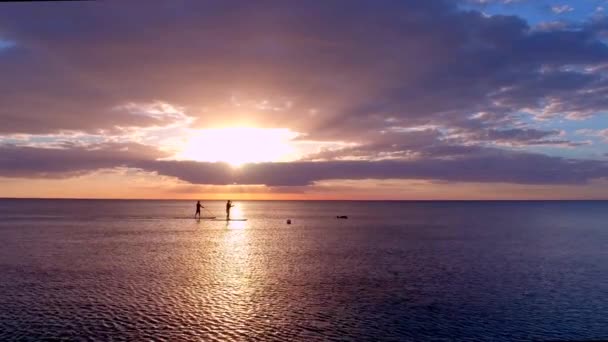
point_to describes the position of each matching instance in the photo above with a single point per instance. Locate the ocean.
(392, 271)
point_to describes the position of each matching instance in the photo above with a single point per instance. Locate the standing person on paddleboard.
(228, 206)
(198, 209)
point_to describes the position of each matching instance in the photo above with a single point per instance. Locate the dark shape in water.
(228, 206)
(343, 217)
(198, 209)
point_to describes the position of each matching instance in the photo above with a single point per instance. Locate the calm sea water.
(133, 270)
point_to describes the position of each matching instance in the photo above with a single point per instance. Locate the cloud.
(485, 2)
(433, 142)
(70, 160)
(599, 133)
(561, 9)
(455, 164)
(518, 168)
(416, 61)
(368, 74)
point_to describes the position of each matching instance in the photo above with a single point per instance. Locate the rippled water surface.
(132, 270)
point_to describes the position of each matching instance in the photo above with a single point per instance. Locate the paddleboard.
(205, 218)
(230, 220)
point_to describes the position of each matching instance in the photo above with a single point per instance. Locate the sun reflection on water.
(237, 212)
(235, 274)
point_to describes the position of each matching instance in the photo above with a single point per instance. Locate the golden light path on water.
(233, 275)
(145, 270)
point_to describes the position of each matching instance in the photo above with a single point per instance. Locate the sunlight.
(237, 213)
(239, 145)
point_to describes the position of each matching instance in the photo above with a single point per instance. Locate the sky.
(383, 99)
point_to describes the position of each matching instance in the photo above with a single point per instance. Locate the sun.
(239, 145)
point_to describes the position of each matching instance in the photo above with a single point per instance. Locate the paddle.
(210, 213)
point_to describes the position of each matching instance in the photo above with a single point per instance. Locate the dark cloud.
(362, 72)
(519, 136)
(384, 144)
(434, 143)
(71, 160)
(467, 164)
(415, 61)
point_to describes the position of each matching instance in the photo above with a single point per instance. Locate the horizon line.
(309, 200)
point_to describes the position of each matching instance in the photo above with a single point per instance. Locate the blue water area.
(393, 271)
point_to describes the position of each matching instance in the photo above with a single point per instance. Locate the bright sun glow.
(238, 146)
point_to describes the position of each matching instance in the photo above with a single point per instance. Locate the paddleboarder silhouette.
(198, 209)
(228, 206)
